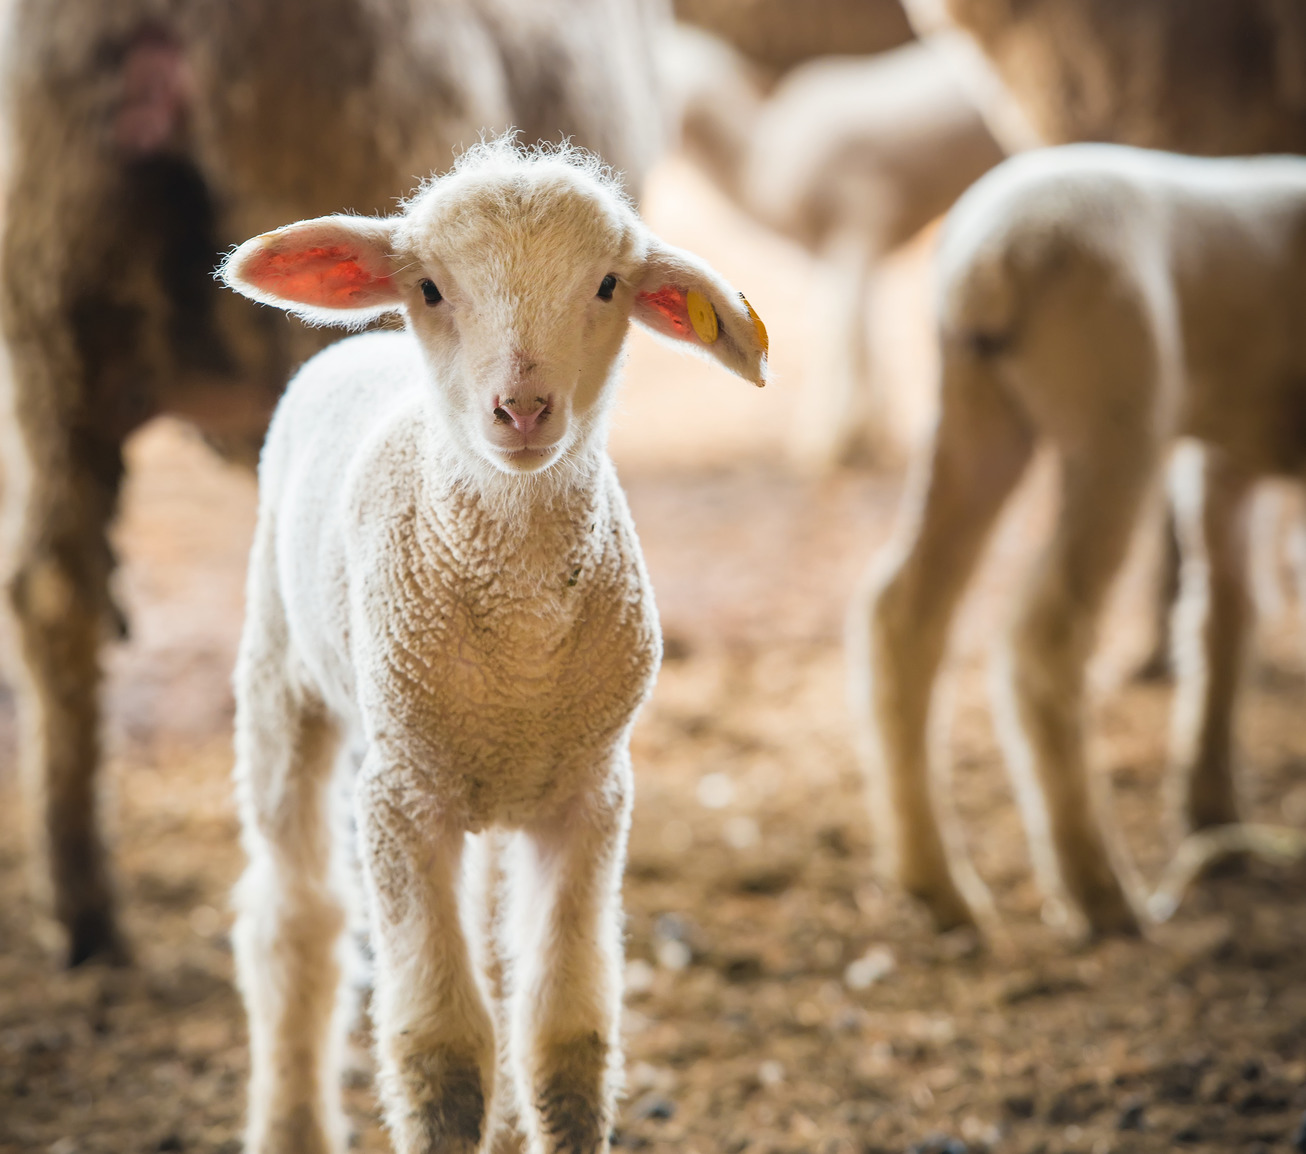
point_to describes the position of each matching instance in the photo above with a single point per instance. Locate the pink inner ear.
(670, 302)
(326, 275)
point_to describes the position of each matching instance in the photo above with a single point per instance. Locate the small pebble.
(877, 963)
(674, 955)
(715, 791)
(655, 1107)
(741, 832)
(1131, 1117)
(639, 976)
(939, 1144)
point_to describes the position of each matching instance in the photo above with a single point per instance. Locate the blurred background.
(780, 997)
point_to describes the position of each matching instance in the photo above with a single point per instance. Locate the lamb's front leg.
(434, 1036)
(566, 974)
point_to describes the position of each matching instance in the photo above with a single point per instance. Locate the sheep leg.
(1040, 688)
(1212, 499)
(1158, 664)
(900, 624)
(842, 415)
(288, 935)
(434, 1033)
(59, 593)
(568, 970)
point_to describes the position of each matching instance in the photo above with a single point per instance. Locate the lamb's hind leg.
(899, 625)
(1041, 690)
(843, 417)
(434, 1034)
(1212, 501)
(288, 934)
(566, 972)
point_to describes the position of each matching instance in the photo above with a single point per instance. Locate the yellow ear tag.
(757, 324)
(702, 316)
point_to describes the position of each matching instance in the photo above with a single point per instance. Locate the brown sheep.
(777, 35)
(1215, 77)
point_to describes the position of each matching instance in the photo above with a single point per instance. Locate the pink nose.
(523, 415)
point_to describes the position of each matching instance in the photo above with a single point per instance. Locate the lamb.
(449, 631)
(1104, 301)
(1220, 78)
(148, 136)
(850, 158)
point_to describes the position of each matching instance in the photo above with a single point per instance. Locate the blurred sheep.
(1215, 77)
(776, 35)
(1103, 301)
(145, 137)
(1219, 78)
(850, 158)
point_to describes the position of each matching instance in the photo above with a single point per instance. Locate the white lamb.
(1104, 301)
(850, 157)
(446, 589)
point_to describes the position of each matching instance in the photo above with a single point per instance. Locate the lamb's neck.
(526, 528)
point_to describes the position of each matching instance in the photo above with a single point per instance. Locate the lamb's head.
(519, 272)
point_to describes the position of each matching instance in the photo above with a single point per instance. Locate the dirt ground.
(780, 999)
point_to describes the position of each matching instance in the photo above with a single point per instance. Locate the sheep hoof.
(571, 1105)
(947, 908)
(1111, 916)
(1155, 669)
(452, 1117)
(93, 937)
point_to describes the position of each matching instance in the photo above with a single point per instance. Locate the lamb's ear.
(335, 270)
(680, 297)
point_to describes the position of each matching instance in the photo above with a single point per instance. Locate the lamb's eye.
(430, 293)
(607, 287)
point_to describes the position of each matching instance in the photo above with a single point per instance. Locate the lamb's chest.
(510, 684)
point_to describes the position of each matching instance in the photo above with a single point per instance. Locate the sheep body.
(1106, 301)
(777, 36)
(146, 137)
(849, 157)
(1220, 78)
(885, 144)
(450, 628)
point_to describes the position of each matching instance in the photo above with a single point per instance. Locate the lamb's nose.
(523, 415)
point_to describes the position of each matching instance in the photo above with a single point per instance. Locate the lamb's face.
(519, 273)
(520, 293)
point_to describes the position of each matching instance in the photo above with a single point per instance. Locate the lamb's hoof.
(571, 1100)
(1110, 915)
(946, 907)
(299, 1131)
(1210, 809)
(447, 1103)
(93, 937)
(1155, 669)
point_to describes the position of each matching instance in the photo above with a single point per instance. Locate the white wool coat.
(498, 656)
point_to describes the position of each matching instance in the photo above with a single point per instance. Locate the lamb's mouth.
(530, 455)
